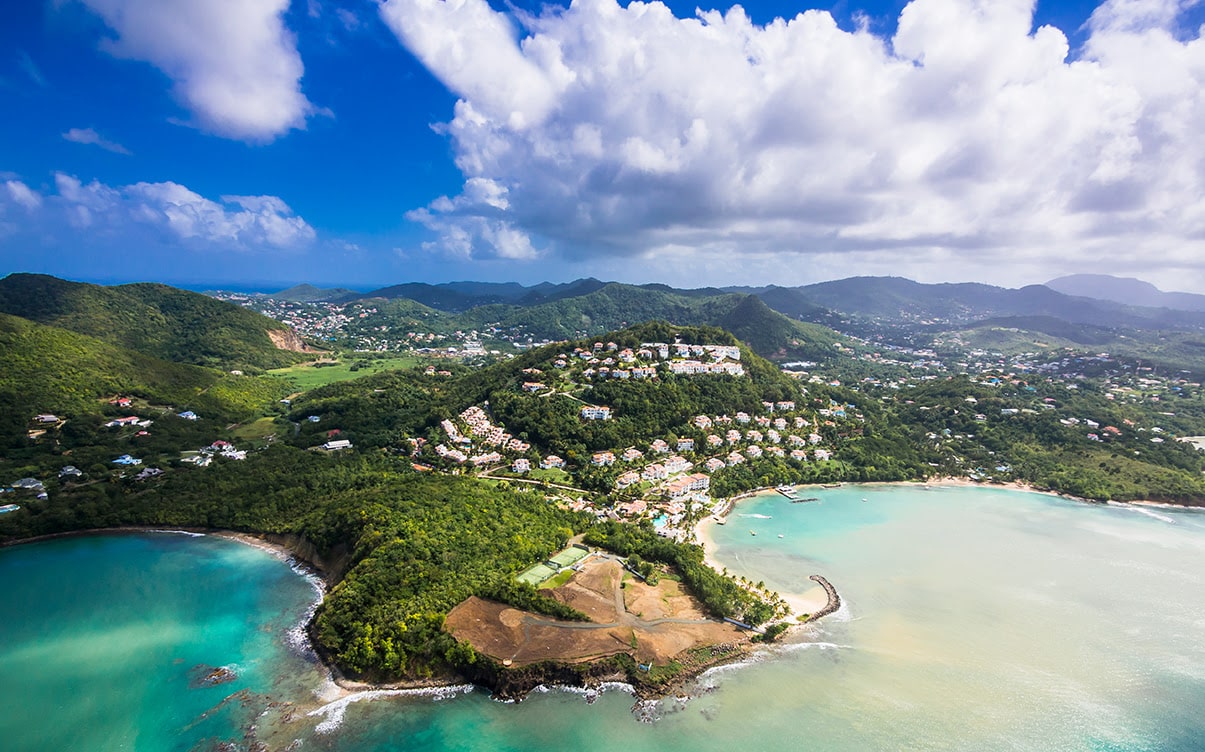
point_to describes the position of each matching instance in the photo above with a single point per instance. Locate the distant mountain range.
(1091, 300)
(1126, 290)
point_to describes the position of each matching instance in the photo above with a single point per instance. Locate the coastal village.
(666, 480)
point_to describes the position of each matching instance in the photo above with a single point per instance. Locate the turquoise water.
(974, 619)
(102, 637)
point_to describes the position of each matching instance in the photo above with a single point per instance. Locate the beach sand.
(807, 602)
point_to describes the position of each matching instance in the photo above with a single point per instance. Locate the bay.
(973, 618)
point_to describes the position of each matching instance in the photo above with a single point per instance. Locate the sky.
(259, 143)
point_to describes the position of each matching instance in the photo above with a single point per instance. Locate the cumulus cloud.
(178, 216)
(233, 62)
(90, 136)
(600, 129)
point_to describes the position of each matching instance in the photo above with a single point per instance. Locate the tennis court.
(539, 573)
(569, 557)
(535, 575)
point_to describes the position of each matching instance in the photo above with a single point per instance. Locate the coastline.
(814, 600)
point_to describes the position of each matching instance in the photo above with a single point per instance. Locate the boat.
(780, 535)
(830, 485)
(752, 533)
(785, 489)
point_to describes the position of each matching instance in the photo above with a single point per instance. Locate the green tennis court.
(536, 574)
(569, 557)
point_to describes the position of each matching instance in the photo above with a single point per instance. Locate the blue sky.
(258, 143)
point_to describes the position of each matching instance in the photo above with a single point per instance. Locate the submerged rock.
(209, 676)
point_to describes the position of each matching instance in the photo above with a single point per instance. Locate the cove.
(972, 618)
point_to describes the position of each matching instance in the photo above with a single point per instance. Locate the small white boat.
(780, 535)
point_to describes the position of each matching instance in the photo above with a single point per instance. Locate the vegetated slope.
(793, 303)
(1126, 290)
(773, 335)
(53, 370)
(1059, 330)
(412, 546)
(455, 297)
(449, 296)
(615, 306)
(310, 294)
(152, 319)
(898, 298)
(1180, 351)
(1014, 431)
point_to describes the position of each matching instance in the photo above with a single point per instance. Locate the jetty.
(834, 600)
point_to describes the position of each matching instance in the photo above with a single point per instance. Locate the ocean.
(972, 619)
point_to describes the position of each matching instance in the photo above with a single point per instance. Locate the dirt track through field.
(652, 624)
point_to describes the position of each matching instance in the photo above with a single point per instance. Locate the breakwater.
(834, 600)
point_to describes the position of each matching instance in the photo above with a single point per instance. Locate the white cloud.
(178, 216)
(967, 137)
(23, 196)
(233, 62)
(90, 136)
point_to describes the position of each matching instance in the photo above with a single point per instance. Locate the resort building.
(600, 412)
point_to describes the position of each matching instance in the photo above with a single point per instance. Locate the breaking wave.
(332, 713)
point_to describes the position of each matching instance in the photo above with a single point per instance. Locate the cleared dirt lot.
(652, 624)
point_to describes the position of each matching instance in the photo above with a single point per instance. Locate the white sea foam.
(332, 713)
(589, 694)
(757, 516)
(1141, 510)
(187, 533)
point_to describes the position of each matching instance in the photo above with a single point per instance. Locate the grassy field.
(551, 475)
(259, 429)
(309, 376)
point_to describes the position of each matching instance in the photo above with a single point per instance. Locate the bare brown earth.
(287, 339)
(651, 624)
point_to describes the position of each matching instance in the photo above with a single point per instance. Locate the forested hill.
(896, 298)
(53, 370)
(152, 319)
(384, 410)
(614, 306)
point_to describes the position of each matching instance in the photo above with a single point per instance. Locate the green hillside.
(1178, 351)
(615, 306)
(152, 319)
(52, 370)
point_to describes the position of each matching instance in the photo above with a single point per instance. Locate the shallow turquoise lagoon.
(974, 619)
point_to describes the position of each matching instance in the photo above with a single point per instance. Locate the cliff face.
(287, 339)
(332, 565)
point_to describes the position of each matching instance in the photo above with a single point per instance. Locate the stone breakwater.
(834, 600)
